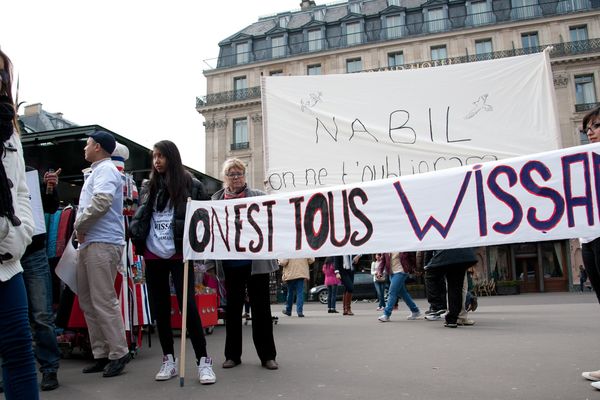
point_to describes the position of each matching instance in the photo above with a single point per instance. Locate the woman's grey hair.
(233, 163)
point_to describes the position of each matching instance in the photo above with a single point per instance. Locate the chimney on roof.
(307, 5)
(33, 109)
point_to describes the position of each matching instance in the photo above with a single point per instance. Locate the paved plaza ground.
(529, 346)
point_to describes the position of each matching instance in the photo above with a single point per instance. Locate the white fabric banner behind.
(337, 129)
(546, 196)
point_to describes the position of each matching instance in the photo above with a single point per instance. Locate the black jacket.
(439, 258)
(140, 223)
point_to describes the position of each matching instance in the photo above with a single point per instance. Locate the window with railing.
(353, 33)
(436, 20)
(395, 59)
(242, 51)
(530, 41)
(565, 6)
(393, 25)
(353, 65)
(315, 40)
(585, 91)
(483, 49)
(240, 134)
(278, 46)
(578, 33)
(523, 9)
(313, 69)
(240, 86)
(439, 53)
(480, 13)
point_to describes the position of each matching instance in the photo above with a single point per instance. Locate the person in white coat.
(16, 231)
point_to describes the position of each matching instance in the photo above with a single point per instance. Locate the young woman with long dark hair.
(157, 231)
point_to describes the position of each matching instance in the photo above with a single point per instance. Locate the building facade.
(370, 35)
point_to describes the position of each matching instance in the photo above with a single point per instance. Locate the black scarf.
(7, 115)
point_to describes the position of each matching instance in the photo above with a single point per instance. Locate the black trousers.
(237, 280)
(159, 294)
(591, 261)
(455, 277)
(435, 285)
(347, 278)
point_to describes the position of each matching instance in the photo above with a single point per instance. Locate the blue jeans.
(39, 293)
(331, 296)
(380, 289)
(397, 288)
(295, 286)
(18, 364)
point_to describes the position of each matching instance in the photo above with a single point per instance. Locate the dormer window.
(319, 15)
(435, 20)
(278, 46)
(353, 33)
(355, 7)
(283, 21)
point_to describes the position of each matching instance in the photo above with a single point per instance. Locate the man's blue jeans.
(38, 283)
(295, 286)
(398, 288)
(18, 364)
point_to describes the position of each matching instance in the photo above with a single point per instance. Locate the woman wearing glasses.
(240, 275)
(590, 247)
(16, 230)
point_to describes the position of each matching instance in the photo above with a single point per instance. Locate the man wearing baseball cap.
(100, 232)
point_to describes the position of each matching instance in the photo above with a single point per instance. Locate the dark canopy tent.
(63, 148)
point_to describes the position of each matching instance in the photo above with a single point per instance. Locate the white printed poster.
(546, 196)
(33, 184)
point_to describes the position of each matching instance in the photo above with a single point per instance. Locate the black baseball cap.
(105, 140)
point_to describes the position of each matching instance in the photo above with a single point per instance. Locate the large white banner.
(546, 196)
(329, 130)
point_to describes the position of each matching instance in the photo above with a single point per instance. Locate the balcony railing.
(228, 97)
(240, 146)
(586, 107)
(413, 27)
(558, 50)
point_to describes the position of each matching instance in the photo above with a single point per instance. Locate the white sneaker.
(596, 385)
(414, 315)
(383, 318)
(168, 369)
(465, 322)
(592, 375)
(433, 317)
(206, 375)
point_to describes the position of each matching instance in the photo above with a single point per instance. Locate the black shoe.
(334, 311)
(286, 312)
(300, 315)
(98, 366)
(115, 367)
(451, 325)
(49, 381)
(231, 363)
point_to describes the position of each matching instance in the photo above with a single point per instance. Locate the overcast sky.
(132, 66)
